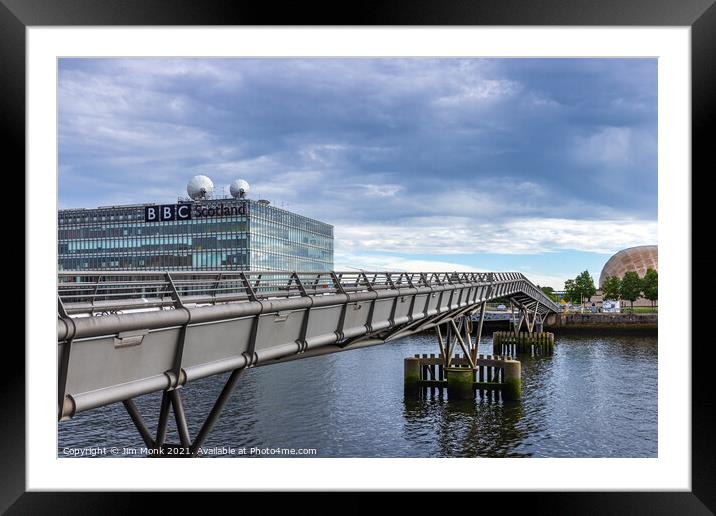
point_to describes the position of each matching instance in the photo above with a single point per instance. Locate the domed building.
(637, 259)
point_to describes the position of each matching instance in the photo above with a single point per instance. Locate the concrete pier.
(411, 375)
(490, 375)
(512, 389)
(460, 382)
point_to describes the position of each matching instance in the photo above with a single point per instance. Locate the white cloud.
(249, 168)
(556, 281)
(289, 185)
(608, 146)
(374, 262)
(383, 190)
(455, 235)
(541, 102)
(368, 262)
(480, 91)
(322, 154)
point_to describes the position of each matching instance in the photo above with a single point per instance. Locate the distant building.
(637, 259)
(196, 233)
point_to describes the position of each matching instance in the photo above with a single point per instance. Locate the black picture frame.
(700, 15)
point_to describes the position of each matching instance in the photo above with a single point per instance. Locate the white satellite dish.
(239, 189)
(200, 187)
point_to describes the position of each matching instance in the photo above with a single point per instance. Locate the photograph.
(445, 250)
(357, 257)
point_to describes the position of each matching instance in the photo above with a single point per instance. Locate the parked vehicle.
(611, 306)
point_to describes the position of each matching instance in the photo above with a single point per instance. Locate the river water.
(596, 396)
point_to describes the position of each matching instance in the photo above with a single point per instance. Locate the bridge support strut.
(139, 422)
(213, 416)
(478, 337)
(180, 418)
(459, 332)
(173, 399)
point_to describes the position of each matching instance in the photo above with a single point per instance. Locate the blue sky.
(544, 166)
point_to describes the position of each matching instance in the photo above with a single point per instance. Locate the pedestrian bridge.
(122, 334)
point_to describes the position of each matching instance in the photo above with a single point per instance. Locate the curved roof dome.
(637, 259)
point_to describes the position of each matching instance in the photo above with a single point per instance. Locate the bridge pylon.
(462, 375)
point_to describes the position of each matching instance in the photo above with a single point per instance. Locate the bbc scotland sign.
(183, 211)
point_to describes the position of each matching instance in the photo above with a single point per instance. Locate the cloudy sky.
(543, 166)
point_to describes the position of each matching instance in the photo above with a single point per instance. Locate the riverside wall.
(579, 322)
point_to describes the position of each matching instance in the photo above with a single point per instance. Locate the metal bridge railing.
(96, 292)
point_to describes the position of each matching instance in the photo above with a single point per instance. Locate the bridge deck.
(126, 333)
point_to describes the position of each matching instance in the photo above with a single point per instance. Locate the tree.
(584, 287)
(570, 291)
(631, 287)
(611, 288)
(650, 285)
(549, 292)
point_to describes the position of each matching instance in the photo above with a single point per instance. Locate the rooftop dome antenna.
(200, 188)
(239, 189)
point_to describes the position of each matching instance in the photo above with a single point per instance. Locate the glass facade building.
(218, 234)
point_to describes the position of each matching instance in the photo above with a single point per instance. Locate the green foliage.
(611, 288)
(650, 285)
(631, 287)
(580, 288)
(571, 295)
(549, 292)
(585, 285)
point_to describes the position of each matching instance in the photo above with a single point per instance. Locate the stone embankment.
(602, 322)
